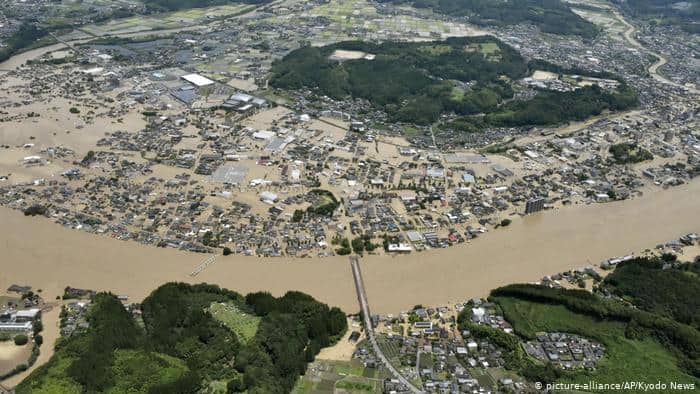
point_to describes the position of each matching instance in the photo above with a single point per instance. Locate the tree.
(34, 210)
(358, 245)
(297, 216)
(208, 239)
(21, 340)
(235, 385)
(37, 327)
(88, 158)
(227, 251)
(344, 251)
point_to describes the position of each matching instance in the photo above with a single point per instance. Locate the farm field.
(324, 377)
(391, 350)
(171, 20)
(349, 14)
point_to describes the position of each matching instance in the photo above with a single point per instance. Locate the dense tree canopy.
(629, 153)
(549, 108)
(27, 35)
(413, 82)
(676, 291)
(182, 347)
(468, 76)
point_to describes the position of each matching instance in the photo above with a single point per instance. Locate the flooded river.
(36, 252)
(45, 255)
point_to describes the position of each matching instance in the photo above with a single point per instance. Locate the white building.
(400, 248)
(268, 197)
(197, 80)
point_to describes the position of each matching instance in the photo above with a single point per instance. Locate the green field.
(489, 49)
(354, 385)
(327, 377)
(483, 377)
(390, 349)
(351, 368)
(169, 20)
(626, 359)
(436, 50)
(346, 15)
(134, 371)
(245, 325)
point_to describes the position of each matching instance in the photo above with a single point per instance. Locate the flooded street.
(47, 256)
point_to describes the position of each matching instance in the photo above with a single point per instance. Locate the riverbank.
(47, 256)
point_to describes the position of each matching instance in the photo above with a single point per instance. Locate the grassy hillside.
(417, 82)
(639, 345)
(626, 358)
(551, 16)
(193, 338)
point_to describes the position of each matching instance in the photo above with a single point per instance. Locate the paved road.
(369, 328)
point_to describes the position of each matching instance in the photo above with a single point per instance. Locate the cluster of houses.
(426, 346)
(567, 351)
(219, 159)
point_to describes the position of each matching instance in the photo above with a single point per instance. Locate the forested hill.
(417, 82)
(551, 16)
(27, 35)
(174, 5)
(191, 338)
(676, 287)
(640, 345)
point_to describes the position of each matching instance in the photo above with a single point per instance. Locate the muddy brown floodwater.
(45, 255)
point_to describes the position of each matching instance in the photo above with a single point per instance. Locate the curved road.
(660, 59)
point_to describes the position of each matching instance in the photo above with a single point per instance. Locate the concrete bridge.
(369, 328)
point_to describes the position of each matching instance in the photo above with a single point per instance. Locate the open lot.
(12, 355)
